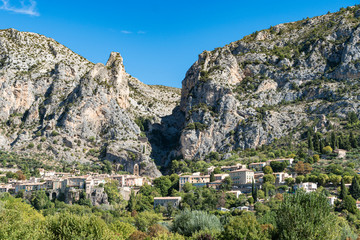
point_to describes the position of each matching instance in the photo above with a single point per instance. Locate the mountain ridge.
(272, 84)
(73, 109)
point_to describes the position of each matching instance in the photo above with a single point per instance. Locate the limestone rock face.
(72, 109)
(265, 86)
(271, 84)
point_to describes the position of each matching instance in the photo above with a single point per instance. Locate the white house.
(308, 186)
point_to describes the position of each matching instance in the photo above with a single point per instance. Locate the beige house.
(5, 187)
(233, 167)
(165, 201)
(196, 180)
(242, 176)
(27, 187)
(221, 176)
(289, 160)
(257, 166)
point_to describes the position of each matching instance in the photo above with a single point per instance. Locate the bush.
(327, 150)
(54, 133)
(186, 223)
(146, 219)
(306, 216)
(31, 145)
(66, 226)
(20, 221)
(244, 227)
(124, 229)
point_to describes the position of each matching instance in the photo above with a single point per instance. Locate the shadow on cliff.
(164, 138)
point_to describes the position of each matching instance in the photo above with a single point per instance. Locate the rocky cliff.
(271, 84)
(55, 101)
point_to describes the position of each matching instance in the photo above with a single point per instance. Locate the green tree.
(269, 178)
(39, 200)
(20, 221)
(300, 179)
(212, 177)
(132, 202)
(261, 194)
(67, 225)
(316, 158)
(310, 142)
(122, 228)
(244, 226)
(278, 166)
(163, 185)
(354, 189)
(217, 170)
(306, 216)
(186, 223)
(144, 220)
(290, 181)
(267, 170)
(226, 184)
(322, 179)
(335, 179)
(254, 191)
(353, 140)
(111, 189)
(349, 203)
(187, 187)
(327, 150)
(334, 142)
(343, 191)
(107, 167)
(352, 118)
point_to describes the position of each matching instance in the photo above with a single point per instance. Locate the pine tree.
(355, 188)
(343, 191)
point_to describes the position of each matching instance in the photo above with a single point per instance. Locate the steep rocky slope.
(271, 83)
(55, 101)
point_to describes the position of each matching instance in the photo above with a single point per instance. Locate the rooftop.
(167, 198)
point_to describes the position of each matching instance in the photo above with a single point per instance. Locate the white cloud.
(23, 7)
(126, 32)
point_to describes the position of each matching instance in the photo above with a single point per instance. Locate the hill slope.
(55, 101)
(272, 84)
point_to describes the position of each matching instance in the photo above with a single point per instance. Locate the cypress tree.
(321, 146)
(212, 177)
(341, 141)
(355, 188)
(254, 191)
(310, 143)
(333, 140)
(316, 143)
(343, 191)
(132, 202)
(353, 140)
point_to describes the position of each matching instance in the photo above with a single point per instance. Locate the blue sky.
(159, 40)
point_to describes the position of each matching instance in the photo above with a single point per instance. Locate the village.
(68, 187)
